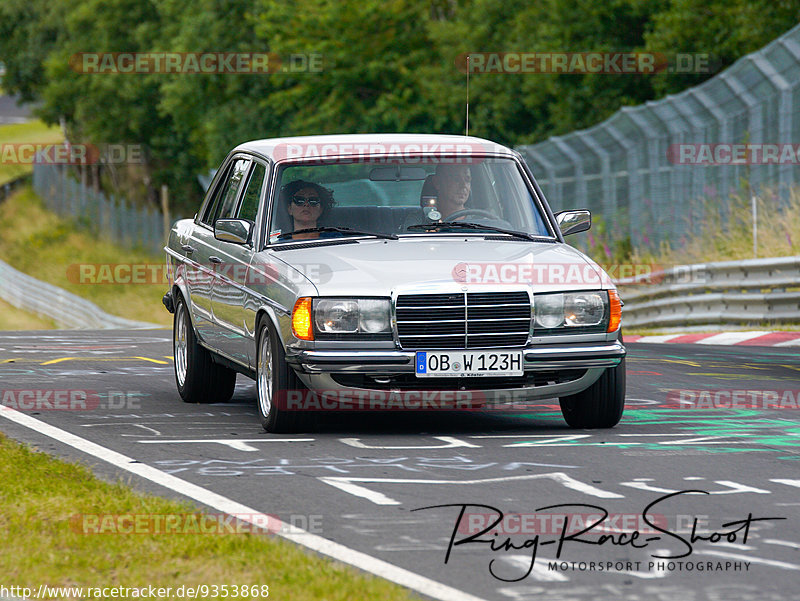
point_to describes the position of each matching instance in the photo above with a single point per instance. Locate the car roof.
(354, 145)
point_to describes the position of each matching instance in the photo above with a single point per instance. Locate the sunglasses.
(301, 201)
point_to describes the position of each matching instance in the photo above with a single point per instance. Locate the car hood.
(379, 267)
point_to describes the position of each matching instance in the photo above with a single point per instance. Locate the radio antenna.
(466, 132)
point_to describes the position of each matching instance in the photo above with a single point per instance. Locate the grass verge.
(32, 132)
(730, 237)
(44, 543)
(45, 246)
(12, 318)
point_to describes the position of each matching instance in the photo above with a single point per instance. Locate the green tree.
(724, 29)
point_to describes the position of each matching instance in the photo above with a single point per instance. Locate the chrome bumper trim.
(540, 358)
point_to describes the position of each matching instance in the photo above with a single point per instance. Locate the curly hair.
(325, 194)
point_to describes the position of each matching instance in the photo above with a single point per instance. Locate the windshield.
(410, 197)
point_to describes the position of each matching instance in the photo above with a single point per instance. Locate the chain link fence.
(630, 171)
(111, 218)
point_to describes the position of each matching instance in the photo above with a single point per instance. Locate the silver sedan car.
(389, 271)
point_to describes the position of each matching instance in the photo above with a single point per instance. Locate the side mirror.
(572, 222)
(232, 230)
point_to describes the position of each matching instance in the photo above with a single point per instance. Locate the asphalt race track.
(355, 478)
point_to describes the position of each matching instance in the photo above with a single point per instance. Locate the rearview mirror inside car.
(397, 173)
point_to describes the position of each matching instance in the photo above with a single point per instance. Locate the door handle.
(215, 259)
(187, 249)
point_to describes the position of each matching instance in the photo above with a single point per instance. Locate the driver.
(453, 185)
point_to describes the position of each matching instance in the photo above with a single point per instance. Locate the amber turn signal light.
(615, 315)
(301, 319)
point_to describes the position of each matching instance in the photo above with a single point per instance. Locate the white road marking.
(658, 339)
(705, 440)
(337, 551)
(783, 543)
(518, 464)
(539, 571)
(786, 481)
(238, 444)
(347, 485)
(153, 430)
(735, 487)
(450, 442)
(679, 434)
(730, 337)
(751, 559)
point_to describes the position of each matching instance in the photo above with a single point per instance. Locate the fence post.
(577, 161)
(551, 189)
(785, 172)
(755, 122)
(609, 191)
(165, 218)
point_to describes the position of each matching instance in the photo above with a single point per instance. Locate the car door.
(204, 254)
(230, 295)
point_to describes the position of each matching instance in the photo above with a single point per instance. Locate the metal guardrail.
(65, 308)
(753, 291)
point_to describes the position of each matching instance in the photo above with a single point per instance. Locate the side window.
(226, 204)
(252, 193)
(211, 207)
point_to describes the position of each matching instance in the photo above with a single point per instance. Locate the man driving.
(453, 185)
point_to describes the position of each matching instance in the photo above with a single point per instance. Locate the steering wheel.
(476, 212)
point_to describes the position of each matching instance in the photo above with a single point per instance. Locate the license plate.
(442, 364)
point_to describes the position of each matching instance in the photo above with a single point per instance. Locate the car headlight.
(567, 310)
(335, 315)
(350, 316)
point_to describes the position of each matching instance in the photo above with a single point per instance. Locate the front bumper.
(551, 370)
(539, 358)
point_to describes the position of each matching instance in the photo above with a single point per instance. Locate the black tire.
(275, 381)
(199, 379)
(600, 405)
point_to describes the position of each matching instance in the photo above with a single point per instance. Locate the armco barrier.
(753, 291)
(65, 308)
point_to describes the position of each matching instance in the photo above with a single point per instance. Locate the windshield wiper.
(342, 230)
(473, 226)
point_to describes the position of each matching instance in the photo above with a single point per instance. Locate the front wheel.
(275, 382)
(600, 405)
(199, 379)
